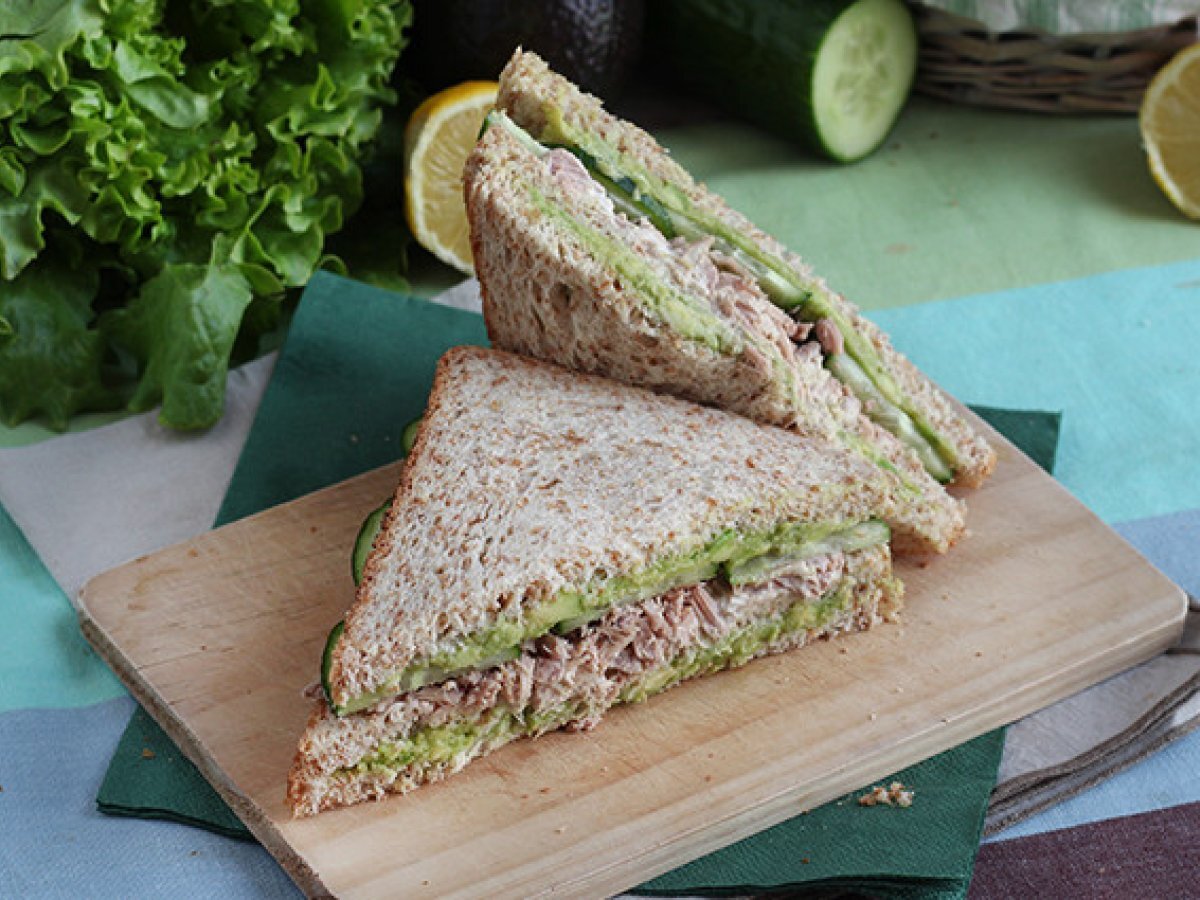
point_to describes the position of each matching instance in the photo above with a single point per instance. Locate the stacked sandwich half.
(695, 454)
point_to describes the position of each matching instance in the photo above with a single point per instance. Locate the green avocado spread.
(436, 745)
(730, 553)
(683, 313)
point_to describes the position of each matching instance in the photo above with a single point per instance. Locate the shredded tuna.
(829, 336)
(571, 174)
(593, 664)
(702, 601)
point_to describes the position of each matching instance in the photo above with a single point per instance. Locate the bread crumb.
(979, 653)
(544, 790)
(874, 716)
(895, 794)
(560, 829)
(147, 753)
(424, 882)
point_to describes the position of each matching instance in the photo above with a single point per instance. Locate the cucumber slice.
(335, 635)
(366, 540)
(763, 568)
(892, 417)
(408, 436)
(861, 77)
(371, 524)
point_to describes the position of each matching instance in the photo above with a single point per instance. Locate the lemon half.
(437, 140)
(1170, 123)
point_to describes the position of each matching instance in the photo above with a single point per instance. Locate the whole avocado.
(595, 43)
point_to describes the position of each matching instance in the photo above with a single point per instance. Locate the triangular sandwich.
(561, 543)
(703, 303)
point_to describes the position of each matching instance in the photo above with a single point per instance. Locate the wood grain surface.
(219, 636)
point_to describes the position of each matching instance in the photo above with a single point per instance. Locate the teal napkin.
(356, 367)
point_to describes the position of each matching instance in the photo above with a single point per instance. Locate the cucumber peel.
(408, 436)
(335, 634)
(367, 533)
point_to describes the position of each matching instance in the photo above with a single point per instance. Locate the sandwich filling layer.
(642, 196)
(738, 559)
(627, 655)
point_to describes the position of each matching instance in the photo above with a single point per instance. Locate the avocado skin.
(595, 43)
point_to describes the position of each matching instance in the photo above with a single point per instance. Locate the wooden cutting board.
(217, 637)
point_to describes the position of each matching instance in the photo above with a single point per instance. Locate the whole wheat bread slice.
(527, 479)
(532, 94)
(548, 294)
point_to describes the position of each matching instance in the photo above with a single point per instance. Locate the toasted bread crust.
(528, 87)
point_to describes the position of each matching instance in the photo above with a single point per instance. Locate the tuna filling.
(626, 655)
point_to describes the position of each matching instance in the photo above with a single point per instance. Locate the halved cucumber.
(862, 73)
(832, 73)
(371, 524)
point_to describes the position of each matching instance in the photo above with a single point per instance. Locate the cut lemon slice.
(1170, 121)
(437, 140)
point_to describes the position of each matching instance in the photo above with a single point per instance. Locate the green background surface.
(958, 201)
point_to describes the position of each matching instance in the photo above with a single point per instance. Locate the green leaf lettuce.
(166, 165)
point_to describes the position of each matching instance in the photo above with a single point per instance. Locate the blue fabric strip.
(53, 842)
(1117, 353)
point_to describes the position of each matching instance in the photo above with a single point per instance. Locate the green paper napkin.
(357, 367)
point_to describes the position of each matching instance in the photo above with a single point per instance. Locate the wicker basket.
(1029, 69)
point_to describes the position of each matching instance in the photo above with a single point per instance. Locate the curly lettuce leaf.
(181, 329)
(203, 150)
(50, 354)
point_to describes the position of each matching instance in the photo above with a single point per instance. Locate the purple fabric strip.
(1154, 854)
